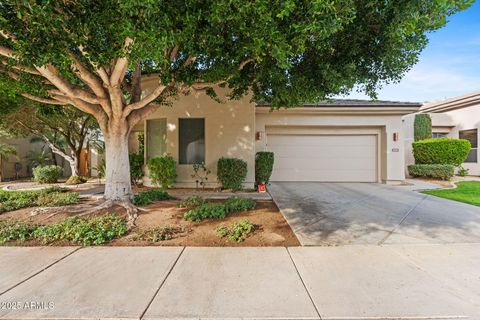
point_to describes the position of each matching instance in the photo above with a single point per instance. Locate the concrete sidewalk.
(348, 282)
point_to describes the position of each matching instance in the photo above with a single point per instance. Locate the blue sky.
(449, 66)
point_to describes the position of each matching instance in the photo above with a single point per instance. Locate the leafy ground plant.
(238, 231)
(237, 204)
(219, 211)
(11, 230)
(206, 211)
(53, 196)
(466, 191)
(191, 202)
(162, 233)
(55, 199)
(148, 197)
(83, 231)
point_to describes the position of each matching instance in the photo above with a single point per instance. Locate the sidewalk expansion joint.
(161, 284)
(303, 283)
(40, 271)
(401, 221)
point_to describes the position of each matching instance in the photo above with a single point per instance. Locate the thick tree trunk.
(117, 172)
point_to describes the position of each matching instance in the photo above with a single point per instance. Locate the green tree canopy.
(92, 54)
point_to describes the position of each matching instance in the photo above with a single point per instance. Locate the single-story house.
(338, 141)
(457, 117)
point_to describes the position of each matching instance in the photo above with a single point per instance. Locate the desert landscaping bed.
(162, 223)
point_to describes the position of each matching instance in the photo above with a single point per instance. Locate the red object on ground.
(262, 188)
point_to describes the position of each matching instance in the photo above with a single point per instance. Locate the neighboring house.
(458, 117)
(341, 141)
(17, 167)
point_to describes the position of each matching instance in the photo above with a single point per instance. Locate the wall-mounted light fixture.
(259, 135)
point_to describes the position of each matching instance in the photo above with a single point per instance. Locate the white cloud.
(427, 82)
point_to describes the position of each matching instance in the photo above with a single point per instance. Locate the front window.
(472, 136)
(156, 138)
(438, 135)
(191, 141)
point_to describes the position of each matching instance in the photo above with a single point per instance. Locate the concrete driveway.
(368, 213)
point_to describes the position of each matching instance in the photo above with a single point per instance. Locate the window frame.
(204, 139)
(147, 138)
(473, 149)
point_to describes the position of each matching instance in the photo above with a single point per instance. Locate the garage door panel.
(330, 163)
(329, 158)
(326, 140)
(320, 152)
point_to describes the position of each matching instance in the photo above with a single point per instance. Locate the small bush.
(11, 230)
(206, 211)
(238, 231)
(161, 233)
(83, 231)
(163, 171)
(136, 167)
(435, 171)
(441, 151)
(231, 173)
(191, 202)
(463, 172)
(147, 197)
(263, 166)
(237, 204)
(76, 180)
(56, 199)
(422, 127)
(47, 174)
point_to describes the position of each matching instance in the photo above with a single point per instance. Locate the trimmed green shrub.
(56, 199)
(441, 151)
(191, 202)
(238, 231)
(136, 167)
(11, 230)
(422, 127)
(163, 171)
(206, 211)
(147, 197)
(231, 173)
(76, 180)
(236, 204)
(47, 174)
(435, 171)
(83, 231)
(263, 166)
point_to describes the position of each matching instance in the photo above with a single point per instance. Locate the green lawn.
(467, 191)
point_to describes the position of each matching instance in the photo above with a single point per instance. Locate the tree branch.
(87, 77)
(121, 64)
(42, 100)
(145, 101)
(7, 52)
(139, 114)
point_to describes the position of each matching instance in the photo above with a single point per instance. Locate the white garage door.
(329, 158)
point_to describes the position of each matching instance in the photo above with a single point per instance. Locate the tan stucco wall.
(23, 147)
(449, 122)
(391, 153)
(229, 132)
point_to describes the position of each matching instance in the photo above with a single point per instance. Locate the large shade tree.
(92, 54)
